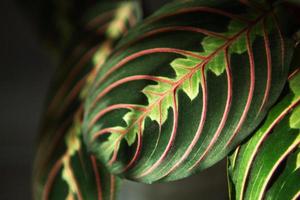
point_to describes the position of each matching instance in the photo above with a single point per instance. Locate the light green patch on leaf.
(115, 30)
(216, 64)
(295, 84)
(67, 175)
(295, 87)
(72, 138)
(117, 26)
(188, 76)
(240, 45)
(236, 33)
(130, 118)
(183, 66)
(73, 145)
(191, 86)
(111, 144)
(159, 100)
(295, 118)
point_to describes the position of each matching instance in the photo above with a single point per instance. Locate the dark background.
(26, 71)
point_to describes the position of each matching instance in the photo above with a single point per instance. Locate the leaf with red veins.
(215, 74)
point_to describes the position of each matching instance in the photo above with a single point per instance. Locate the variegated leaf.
(186, 86)
(64, 169)
(267, 165)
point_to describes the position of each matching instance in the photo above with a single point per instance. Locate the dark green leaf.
(186, 86)
(64, 169)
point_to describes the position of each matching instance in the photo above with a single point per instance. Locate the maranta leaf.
(64, 169)
(267, 165)
(186, 86)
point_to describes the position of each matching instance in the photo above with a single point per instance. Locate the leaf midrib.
(196, 68)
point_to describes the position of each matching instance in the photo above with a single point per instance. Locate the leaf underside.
(184, 88)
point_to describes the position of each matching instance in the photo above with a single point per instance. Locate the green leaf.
(64, 167)
(255, 167)
(181, 66)
(295, 119)
(187, 86)
(287, 186)
(294, 85)
(83, 176)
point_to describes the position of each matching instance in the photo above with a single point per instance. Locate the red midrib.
(194, 70)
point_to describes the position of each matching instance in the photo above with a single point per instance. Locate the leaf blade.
(188, 72)
(257, 160)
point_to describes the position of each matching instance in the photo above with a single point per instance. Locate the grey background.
(26, 70)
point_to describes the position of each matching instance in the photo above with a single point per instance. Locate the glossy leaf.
(267, 165)
(64, 169)
(186, 86)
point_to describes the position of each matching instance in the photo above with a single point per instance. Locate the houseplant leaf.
(186, 86)
(64, 169)
(267, 165)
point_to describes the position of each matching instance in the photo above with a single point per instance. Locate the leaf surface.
(64, 168)
(267, 165)
(186, 86)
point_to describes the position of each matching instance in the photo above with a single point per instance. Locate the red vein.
(106, 131)
(50, 179)
(201, 9)
(115, 151)
(72, 95)
(159, 133)
(200, 127)
(174, 28)
(101, 30)
(97, 177)
(78, 193)
(143, 53)
(188, 29)
(251, 90)
(152, 93)
(294, 73)
(179, 82)
(50, 147)
(171, 140)
(129, 79)
(138, 120)
(114, 107)
(59, 133)
(112, 187)
(137, 151)
(70, 77)
(82, 164)
(269, 68)
(225, 114)
(103, 17)
(281, 39)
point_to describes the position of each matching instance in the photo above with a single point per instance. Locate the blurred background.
(26, 71)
